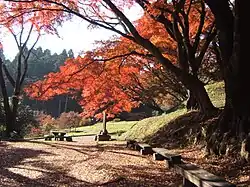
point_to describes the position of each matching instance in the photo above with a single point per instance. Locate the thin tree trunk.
(192, 102)
(59, 107)
(66, 103)
(15, 104)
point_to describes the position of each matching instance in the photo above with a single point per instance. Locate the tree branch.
(8, 75)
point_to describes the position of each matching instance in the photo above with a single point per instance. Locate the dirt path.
(80, 163)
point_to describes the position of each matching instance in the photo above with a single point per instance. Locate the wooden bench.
(194, 176)
(144, 148)
(58, 137)
(164, 154)
(61, 138)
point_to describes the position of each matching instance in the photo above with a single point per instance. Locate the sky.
(73, 35)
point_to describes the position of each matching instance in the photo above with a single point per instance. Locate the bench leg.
(146, 151)
(69, 139)
(137, 147)
(157, 156)
(48, 139)
(187, 183)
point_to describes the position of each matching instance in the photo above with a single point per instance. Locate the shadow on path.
(11, 157)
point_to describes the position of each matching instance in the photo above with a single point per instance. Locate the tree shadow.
(181, 131)
(12, 157)
(230, 168)
(3, 144)
(131, 175)
(86, 149)
(49, 174)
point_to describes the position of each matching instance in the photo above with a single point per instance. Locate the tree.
(40, 63)
(112, 78)
(99, 89)
(21, 28)
(234, 121)
(191, 35)
(108, 15)
(11, 105)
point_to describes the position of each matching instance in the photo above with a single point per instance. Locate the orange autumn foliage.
(98, 84)
(103, 80)
(16, 13)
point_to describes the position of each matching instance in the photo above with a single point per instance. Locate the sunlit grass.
(141, 129)
(115, 129)
(149, 126)
(216, 93)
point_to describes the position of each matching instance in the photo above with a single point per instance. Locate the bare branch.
(8, 75)
(201, 24)
(25, 61)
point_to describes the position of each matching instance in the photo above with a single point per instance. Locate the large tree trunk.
(11, 115)
(199, 93)
(235, 119)
(9, 123)
(235, 116)
(10, 111)
(6, 105)
(237, 78)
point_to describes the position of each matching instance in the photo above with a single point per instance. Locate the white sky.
(74, 35)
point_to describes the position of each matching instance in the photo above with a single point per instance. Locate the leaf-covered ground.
(85, 162)
(82, 162)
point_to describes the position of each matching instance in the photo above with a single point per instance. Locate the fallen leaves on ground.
(233, 169)
(83, 162)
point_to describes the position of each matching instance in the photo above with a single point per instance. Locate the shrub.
(36, 132)
(68, 120)
(46, 122)
(25, 119)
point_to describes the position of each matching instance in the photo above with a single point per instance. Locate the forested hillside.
(41, 62)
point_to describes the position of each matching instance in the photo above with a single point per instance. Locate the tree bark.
(15, 104)
(236, 115)
(235, 119)
(199, 93)
(7, 108)
(192, 103)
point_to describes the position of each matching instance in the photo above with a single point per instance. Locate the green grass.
(216, 93)
(150, 125)
(115, 129)
(146, 127)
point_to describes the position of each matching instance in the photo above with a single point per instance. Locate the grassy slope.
(144, 128)
(216, 93)
(149, 126)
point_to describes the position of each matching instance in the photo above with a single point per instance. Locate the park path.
(82, 162)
